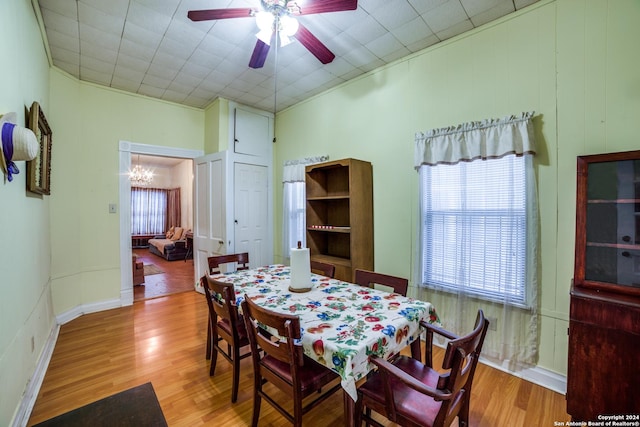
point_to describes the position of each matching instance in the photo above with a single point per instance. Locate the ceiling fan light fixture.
(288, 26)
(265, 36)
(264, 20)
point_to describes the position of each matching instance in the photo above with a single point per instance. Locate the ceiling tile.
(454, 30)
(394, 14)
(63, 7)
(117, 8)
(366, 30)
(412, 31)
(148, 18)
(125, 84)
(135, 63)
(475, 7)
(151, 91)
(97, 52)
(60, 23)
(502, 9)
(385, 45)
(445, 16)
(96, 18)
(155, 81)
(95, 76)
(63, 41)
(64, 55)
(99, 38)
(123, 72)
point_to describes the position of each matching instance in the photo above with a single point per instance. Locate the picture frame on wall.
(39, 169)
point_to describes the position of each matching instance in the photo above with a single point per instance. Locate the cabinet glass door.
(608, 222)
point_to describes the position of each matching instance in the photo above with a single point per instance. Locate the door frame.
(125, 150)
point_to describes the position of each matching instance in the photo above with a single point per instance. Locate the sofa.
(171, 246)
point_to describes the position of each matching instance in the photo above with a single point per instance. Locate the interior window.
(475, 227)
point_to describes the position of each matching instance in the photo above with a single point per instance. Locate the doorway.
(150, 218)
(126, 151)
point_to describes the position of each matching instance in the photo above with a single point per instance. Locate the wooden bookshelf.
(340, 215)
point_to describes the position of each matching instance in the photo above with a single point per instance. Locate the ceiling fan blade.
(308, 7)
(314, 45)
(209, 14)
(259, 54)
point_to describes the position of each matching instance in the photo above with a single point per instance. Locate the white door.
(251, 213)
(211, 232)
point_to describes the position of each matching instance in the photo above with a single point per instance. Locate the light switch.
(113, 208)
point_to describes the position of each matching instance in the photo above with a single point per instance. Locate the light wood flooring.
(162, 340)
(177, 276)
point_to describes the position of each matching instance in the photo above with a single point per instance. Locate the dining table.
(341, 323)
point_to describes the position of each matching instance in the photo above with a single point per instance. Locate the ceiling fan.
(277, 18)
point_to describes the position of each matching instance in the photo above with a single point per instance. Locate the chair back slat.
(263, 324)
(323, 268)
(222, 296)
(370, 278)
(241, 260)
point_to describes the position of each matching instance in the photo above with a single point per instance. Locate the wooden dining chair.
(241, 261)
(370, 278)
(323, 268)
(283, 363)
(410, 393)
(228, 326)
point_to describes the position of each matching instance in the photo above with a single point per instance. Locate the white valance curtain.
(476, 140)
(513, 343)
(293, 196)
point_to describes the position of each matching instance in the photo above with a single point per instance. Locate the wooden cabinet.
(604, 319)
(340, 215)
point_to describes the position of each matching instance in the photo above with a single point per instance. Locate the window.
(294, 203)
(294, 215)
(475, 227)
(148, 210)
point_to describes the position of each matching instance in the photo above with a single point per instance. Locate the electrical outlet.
(113, 208)
(493, 323)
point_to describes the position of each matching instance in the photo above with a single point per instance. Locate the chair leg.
(463, 415)
(297, 411)
(209, 338)
(256, 404)
(236, 373)
(214, 356)
(357, 413)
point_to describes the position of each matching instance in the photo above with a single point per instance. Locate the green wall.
(88, 122)
(26, 313)
(574, 62)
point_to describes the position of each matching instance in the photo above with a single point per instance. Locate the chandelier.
(140, 176)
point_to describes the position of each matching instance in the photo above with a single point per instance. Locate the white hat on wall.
(16, 144)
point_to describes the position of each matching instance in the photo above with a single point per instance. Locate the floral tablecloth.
(342, 323)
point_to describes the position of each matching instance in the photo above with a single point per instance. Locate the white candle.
(300, 268)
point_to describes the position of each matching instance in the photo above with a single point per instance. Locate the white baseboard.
(537, 375)
(33, 387)
(88, 308)
(546, 378)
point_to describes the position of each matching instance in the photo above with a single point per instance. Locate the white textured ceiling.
(150, 47)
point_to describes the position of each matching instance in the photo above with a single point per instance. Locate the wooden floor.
(177, 276)
(162, 340)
